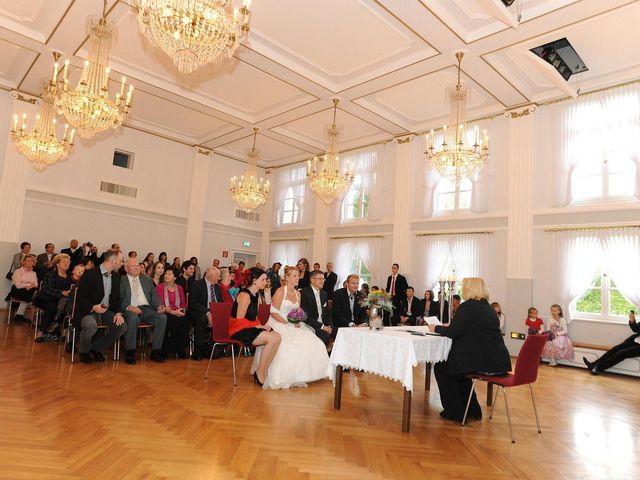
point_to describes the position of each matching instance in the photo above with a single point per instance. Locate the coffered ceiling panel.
(14, 62)
(312, 130)
(421, 102)
(610, 61)
(35, 19)
(270, 152)
(337, 43)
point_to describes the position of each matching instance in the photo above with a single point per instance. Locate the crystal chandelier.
(193, 32)
(324, 176)
(41, 146)
(458, 157)
(248, 192)
(88, 107)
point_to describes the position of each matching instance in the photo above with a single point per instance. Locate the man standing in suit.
(314, 302)
(330, 280)
(141, 303)
(203, 293)
(43, 262)
(98, 302)
(75, 254)
(347, 311)
(410, 309)
(397, 288)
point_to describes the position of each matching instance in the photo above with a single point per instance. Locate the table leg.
(406, 411)
(489, 394)
(337, 395)
(427, 376)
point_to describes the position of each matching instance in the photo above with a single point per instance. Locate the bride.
(302, 356)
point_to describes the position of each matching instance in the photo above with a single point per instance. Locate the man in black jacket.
(346, 311)
(410, 309)
(628, 349)
(314, 302)
(396, 287)
(98, 302)
(203, 292)
(330, 280)
(75, 254)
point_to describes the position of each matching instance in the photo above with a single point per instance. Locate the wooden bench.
(630, 366)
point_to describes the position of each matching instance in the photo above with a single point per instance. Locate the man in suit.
(397, 288)
(630, 348)
(330, 280)
(44, 260)
(313, 300)
(410, 309)
(75, 254)
(346, 311)
(98, 302)
(203, 293)
(186, 279)
(140, 303)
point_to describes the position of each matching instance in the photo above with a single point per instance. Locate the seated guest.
(44, 260)
(455, 303)
(162, 258)
(215, 263)
(56, 285)
(197, 274)
(176, 266)
(316, 266)
(24, 285)
(558, 346)
(265, 294)
(535, 324)
(203, 293)
(98, 302)
(148, 271)
(477, 347)
(496, 306)
(245, 326)
(225, 284)
(90, 254)
(346, 311)
(238, 271)
(630, 348)
(364, 290)
(330, 280)
(410, 309)
(305, 273)
(148, 260)
(16, 263)
(185, 278)
(430, 305)
(172, 297)
(274, 276)
(314, 301)
(88, 264)
(157, 273)
(116, 248)
(75, 253)
(141, 304)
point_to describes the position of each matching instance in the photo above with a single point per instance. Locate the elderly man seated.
(140, 303)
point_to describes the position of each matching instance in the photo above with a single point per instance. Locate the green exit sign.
(246, 243)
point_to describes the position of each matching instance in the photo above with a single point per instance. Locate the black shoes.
(97, 356)
(85, 358)
(256, 380)
(587, 363)
(130, 357)
(197, 356)
(157, 356)
(182, 355)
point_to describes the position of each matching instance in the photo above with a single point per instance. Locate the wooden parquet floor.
(164, 421)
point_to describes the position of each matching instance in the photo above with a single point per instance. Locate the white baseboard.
(630, 366)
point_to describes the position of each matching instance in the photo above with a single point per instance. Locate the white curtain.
(577, 258)
(469, 254)
(345, 249)
(287, 252)
(426, 189)
(621, 249)
(434, 254)
(480, 179)
(294, 177)
(369, 250)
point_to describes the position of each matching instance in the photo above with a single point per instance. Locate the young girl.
(559, 346)
(498, 309)
(535, 324)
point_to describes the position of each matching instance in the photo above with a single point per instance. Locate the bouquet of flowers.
(378, 298)
(296, 315)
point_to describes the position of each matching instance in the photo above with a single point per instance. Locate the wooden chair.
(220, 313)
(525, 373)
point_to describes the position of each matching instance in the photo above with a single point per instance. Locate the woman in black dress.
(245, 327)
(305, 273)
(477, 347)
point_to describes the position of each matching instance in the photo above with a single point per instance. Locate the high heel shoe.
(256, 380)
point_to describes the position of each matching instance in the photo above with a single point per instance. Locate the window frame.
(457, 191)
(604, 160)
(294, 211)
(360, 263)
(605, 304)
(130, 157)
(356, 188)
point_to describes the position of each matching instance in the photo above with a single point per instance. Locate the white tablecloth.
(391, 352)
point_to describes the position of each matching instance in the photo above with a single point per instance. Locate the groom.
(314, 302)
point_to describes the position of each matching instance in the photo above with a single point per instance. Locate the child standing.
(559, 346)
(535, 324)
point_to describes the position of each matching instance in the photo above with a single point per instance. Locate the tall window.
(602, 300)
(358, 267)
(453, 195)
(604, 175)
(290, 209)
(356, 202)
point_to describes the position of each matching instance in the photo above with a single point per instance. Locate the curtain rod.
(291, 239)
(582, 229)
(364, 235)
(441, 234)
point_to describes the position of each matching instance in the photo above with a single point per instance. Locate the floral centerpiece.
(296, 315)
(377, 302)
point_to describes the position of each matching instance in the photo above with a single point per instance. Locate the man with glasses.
(314, 301)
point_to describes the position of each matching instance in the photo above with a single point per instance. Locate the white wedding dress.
(301, 358)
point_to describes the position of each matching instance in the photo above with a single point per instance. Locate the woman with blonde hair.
(55, 286)
(477, 347)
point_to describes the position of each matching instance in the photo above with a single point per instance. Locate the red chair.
(264, 312)
(220, 313)
(525, 373)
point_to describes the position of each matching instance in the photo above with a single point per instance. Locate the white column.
(520, 201)
(15, 169)
(320, 236)
(265, 226)
(403, 195)
(197, 201)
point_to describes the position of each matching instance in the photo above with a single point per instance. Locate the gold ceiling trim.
(446, 234)
(64, 15)
(364, 235)
(527, 100)
(587, 229)
(522, 113)
(408, 28)
(289, 239)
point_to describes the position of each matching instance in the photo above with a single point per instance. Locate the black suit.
(627, 349)
(401, 286)
(90, 292)
(309, 305)
(330, 280)
(477, 347)
(341, 310)
(198, 309)
(76, 256)
(416, 310)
